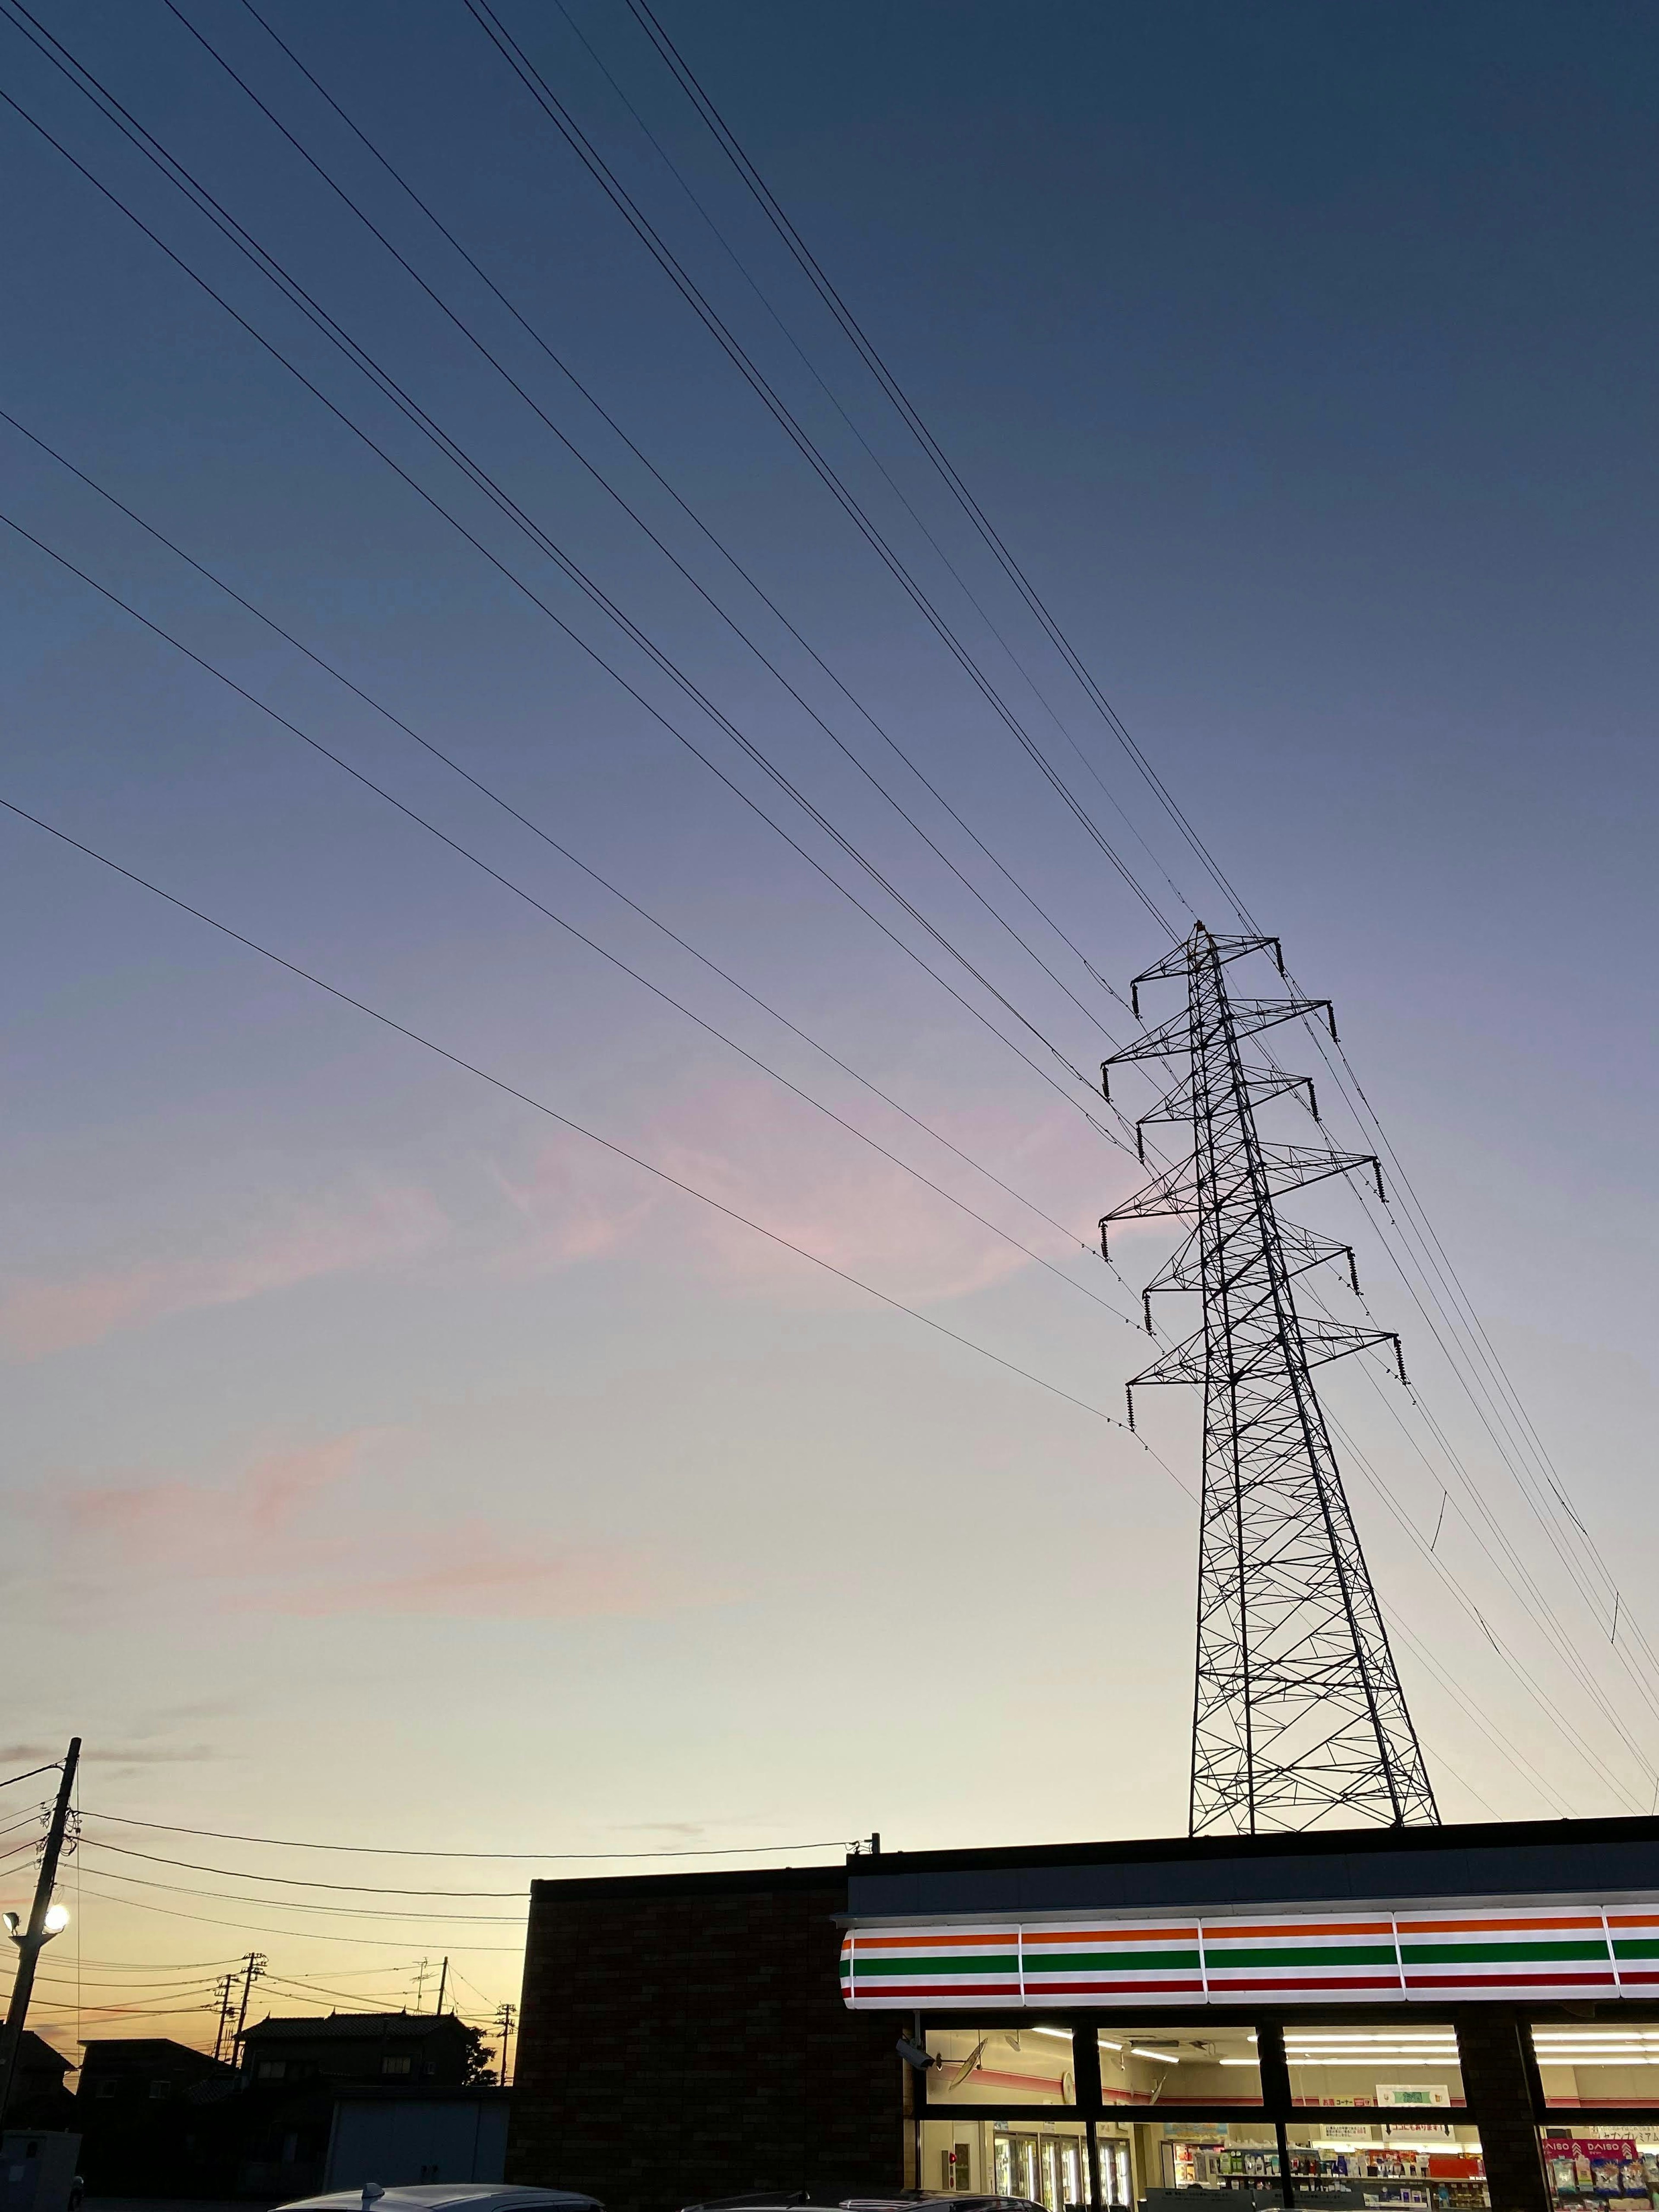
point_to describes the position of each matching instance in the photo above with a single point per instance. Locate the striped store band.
(1450, 1951)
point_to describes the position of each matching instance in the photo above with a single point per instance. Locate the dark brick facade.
(684, 2037)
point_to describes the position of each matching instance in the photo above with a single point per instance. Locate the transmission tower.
(1299, 1718)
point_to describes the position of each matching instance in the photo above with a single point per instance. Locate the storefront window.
(1424, 2162)
(1003, 2064)
(1412, 2068)
(1595, 2169)
(1597, 2067)
(1218, 2155)
(1158, 2064)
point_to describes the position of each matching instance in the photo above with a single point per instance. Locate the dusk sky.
(387, 1462)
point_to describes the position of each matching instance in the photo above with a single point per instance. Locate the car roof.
(442, 2196)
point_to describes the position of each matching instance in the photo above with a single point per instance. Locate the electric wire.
(718, 543)
(536, 828)
(1592, 1589)
(551, 1113)
(29, 1775)
(543, 94)
(423, 1852)
(776, 214)
(1580, 1529)
(562, 921)
(874, 459)
(85, 82)
(656, 714)
(311, 1935)
(598, 477)
(300, 1882)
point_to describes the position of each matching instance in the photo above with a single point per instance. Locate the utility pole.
(443, 1980)
(505, 2016)
(1298, 1714)
(44, 1921)
(254, 1965)
(224, 1990)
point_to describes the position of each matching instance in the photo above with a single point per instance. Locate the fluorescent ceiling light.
(1165, 2057)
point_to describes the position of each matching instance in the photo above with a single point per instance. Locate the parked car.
(929, 2200)
(445, 2197)
(754, 2200)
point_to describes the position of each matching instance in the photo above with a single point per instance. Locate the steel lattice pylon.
(1298, 1717)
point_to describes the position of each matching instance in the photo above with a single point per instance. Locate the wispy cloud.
(749, 1148)
(41, 1314)
(288, 1535)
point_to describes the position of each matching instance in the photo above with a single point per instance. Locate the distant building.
(153, 2068)
(38, 2098)
(386, 2048)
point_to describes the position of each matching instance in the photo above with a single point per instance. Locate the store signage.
(1412, 2093)
(1450, 1952)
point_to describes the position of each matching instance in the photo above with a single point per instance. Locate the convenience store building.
(1452, 2017)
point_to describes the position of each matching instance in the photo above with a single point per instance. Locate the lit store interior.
(1428, 2155)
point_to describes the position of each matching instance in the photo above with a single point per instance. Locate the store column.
(1498, 2091)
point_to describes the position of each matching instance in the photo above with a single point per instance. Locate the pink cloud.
(283, 1538)
(839, 1200)
(475, 1573)
(754, 1150)
(189, 1528)
(577, 1203)
(39, 1317)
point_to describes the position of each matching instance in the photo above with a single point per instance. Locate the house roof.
(34, 2053)
(142, 2050)
(352, 2028)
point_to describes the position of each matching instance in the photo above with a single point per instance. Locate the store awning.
(1453, 1953)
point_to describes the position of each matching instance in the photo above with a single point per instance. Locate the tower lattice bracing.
(1298, 1717)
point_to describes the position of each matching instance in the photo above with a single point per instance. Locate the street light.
(53, 1922)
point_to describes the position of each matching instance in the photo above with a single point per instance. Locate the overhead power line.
(563, 923)
(543, 543)
(1588, 1574)
(564, 1120)
(542, 92)
(410, 1852)
(598, 477)
(536, 828)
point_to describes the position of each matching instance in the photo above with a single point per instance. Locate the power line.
(311, 1935)
(304, 1904)
(30, 1774)
(408, 1851)
(561, 922)
(1592, 1588)
(552, 1114)
(599, 478)
(536, 828)
(559, 116)
(539, 537)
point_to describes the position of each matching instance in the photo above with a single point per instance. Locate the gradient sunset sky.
(384, 1462)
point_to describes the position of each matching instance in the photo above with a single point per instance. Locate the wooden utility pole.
(505, 2016)
(254, 1964)
(225, 1988)
(32, 1940)
(443, 1978)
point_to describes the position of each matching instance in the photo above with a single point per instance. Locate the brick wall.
(684, 2037)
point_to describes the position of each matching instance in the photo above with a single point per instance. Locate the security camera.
(912, 2054)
